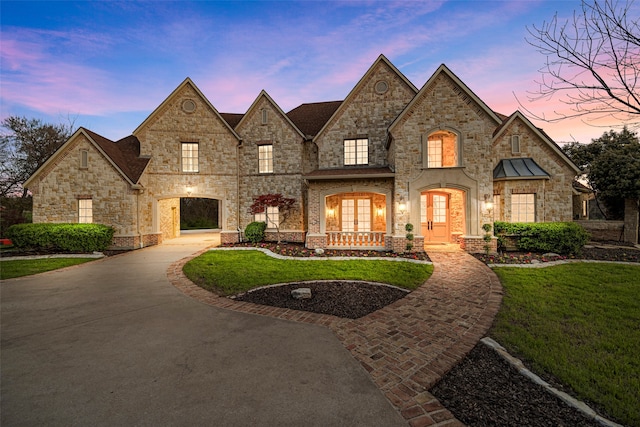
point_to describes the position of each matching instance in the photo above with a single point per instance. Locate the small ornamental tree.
(284, 205)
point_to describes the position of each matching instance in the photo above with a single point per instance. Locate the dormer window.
(356, 151)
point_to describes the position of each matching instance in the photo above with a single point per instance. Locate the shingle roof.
(521, 168)
(311, 117)
(232, 119)
(125, 153)
(342, 173)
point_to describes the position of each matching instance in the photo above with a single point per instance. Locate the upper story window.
(271, 216)
(265, 116)
(515, 144)
(442, 150)
(85, 211)
(523, 207)
(265, 158)
(190, 157)
(356, 151)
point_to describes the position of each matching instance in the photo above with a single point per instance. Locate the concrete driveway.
(111, 342)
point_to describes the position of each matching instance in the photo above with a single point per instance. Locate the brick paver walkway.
(409, 345)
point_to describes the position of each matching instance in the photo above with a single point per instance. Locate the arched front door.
(434, 219)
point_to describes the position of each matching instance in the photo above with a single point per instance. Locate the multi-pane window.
(85, 211)
(356, 151)
(523, 208)
(189, 157)
(434, 152)
(271, 217)
(265, 158)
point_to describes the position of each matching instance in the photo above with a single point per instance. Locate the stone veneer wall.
(443, 106)
(161, 137)
(57, 189)
(288, 154)
(367, 115)
(554, 196)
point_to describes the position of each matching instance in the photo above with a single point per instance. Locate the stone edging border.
(320, 258)
(96, 255)
(569, 400)
(560, 262)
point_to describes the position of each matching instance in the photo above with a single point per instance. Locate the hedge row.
(564, 238)
(61, 237)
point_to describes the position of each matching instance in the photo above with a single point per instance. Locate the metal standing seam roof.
(521, 168)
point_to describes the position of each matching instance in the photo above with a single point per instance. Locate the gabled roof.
(354, 91)
(186, 82)
(519, 168)
(232, 118)
(264, 94)
(442, 69)
(539, 132)
(124, 155)
(311, 117)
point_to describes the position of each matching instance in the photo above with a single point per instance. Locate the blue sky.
(108, 65)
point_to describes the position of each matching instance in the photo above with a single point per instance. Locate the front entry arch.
(442, 215)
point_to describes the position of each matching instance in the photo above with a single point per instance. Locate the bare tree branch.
(592, 63)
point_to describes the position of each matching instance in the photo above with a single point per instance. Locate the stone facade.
(136, 184)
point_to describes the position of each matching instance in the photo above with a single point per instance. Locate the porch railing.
(355, 239)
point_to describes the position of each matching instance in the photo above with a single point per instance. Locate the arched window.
(442, 150)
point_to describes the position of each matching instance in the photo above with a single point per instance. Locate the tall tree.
(593, 62)
(611, 166)
(25, 144)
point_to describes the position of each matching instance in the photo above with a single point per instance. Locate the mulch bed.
(346, 299)
(485, 390)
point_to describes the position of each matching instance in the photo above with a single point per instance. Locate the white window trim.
(360, 152)
(194, 165)
(265, 164)
(85, 211)
(517, 214)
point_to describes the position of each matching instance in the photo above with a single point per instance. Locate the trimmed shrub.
(564, 238)
(255, 231)
(61, 237)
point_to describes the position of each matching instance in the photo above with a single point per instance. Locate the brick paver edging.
(409, 345)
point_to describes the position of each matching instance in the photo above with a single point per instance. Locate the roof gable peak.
(186, 82)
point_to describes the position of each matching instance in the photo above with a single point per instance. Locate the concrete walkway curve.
(111, 342)
(409, 345)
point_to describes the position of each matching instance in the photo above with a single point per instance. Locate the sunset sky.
(108, 65)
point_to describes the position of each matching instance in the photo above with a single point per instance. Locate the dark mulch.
(485, 390)
(346, 299)
(589, 252)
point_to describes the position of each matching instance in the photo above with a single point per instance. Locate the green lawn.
(581, 324)
(19, 268)
(232, 272)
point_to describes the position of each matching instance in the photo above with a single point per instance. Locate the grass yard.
(27, 267)
(581, 324)
(232, 272)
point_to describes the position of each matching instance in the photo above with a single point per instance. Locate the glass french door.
(434, 214)
(356, 214)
